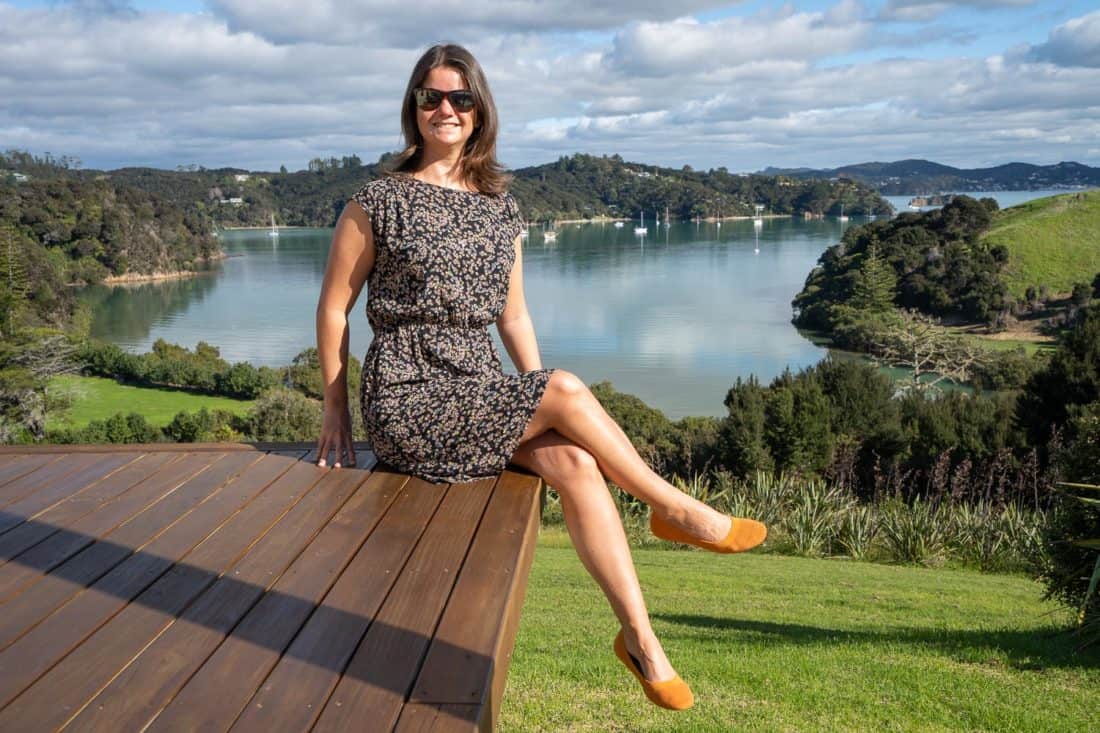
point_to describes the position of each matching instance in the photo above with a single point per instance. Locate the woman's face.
(444, 127)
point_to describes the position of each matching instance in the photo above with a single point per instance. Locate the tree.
(918, 343)
(743, 429)
(1070, 380)
(14, 283)
(875, 283)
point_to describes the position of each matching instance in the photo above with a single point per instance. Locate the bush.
(1076, 519)
(203, 426)
(119, 428)
(285, 415)
(914, 532)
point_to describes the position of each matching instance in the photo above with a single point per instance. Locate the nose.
(447, 101)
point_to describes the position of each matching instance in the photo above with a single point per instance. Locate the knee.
(567, 387)
(567, 463)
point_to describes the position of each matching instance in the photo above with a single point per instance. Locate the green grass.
(1053, 241)
(97, 398)
(773, 643)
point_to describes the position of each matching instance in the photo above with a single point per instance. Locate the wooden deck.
(236, 586)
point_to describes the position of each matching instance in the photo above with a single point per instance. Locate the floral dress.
(435, 401)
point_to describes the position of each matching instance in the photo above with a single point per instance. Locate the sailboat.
(642, 228)
(842, 217)
(666, 216)
(549, 235)
(274, 229)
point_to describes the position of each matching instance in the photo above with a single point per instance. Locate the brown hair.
(478, 165)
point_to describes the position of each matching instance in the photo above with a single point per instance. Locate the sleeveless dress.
(434, 398)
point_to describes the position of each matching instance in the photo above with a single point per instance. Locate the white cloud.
(118, 87)
(922, 10)
(1074, 43)
(379, 22)
(686, 45)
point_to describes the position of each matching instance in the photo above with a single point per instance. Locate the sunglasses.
(462, 100)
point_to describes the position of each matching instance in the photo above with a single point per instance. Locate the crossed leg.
(573, 444)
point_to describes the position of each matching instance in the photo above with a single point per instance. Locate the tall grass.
(814, 518)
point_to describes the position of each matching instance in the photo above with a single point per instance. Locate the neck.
(443, 168)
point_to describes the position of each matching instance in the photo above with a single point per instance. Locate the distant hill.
(1053, 241)
(573, 187)
(915, 176)
(584, 186)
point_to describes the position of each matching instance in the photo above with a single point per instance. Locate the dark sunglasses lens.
(462, 101)
(428, 98)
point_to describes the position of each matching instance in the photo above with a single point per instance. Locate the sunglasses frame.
(444, 95)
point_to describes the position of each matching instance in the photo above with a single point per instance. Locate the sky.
(257, 84)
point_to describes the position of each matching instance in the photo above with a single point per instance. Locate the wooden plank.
(437, 718)
(206, 540)
(295, 692)
(29, 566)
(38, 600)
(15, 466)
(473, 643)
(66, 475)
(44, 496)
(67, 688)
(387, 661)
(214, 697)
(506, 640)
(52, 520)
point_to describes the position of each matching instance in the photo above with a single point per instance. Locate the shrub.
(203, 426)
(284, 415)
(119, 428)
(812, 520)
(913, 532)
(858, 529)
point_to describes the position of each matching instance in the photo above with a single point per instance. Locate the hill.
(574, 187)
(1053, 241)
(915, 176)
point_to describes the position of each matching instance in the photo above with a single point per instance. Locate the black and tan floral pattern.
(435, 400)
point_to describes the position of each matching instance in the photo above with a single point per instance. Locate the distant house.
(235, 201)
(242, 177)
(15, 176)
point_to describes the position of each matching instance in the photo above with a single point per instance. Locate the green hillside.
(1052, 241)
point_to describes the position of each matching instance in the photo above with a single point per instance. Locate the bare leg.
(570, 408)
(598, 537)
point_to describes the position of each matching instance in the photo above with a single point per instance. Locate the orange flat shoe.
(673, 694)
(744, 534)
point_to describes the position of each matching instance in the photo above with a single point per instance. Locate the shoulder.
(508, 201)
(373, 193)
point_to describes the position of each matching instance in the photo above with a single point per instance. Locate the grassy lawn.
(1053, 241)
(773, 643)
(97, 398)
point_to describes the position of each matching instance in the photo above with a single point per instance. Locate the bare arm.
(514, 324)
(350, 260)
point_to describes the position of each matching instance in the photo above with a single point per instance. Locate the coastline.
(133, 278)
(280, 227)
(602, 219)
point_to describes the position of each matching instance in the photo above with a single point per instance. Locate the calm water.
(673, 317)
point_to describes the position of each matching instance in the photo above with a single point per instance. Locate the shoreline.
(603, 219)
(138, 278)
(266, 227)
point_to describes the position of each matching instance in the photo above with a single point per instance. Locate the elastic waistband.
(409, 325)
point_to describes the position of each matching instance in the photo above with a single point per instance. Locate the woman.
(438, 239)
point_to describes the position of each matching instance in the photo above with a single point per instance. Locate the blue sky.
(263, 83)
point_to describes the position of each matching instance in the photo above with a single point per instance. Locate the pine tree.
(14, 282)
(875, 283)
